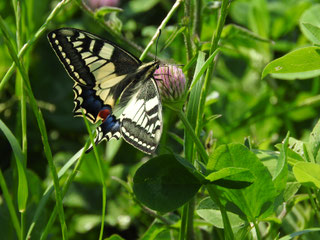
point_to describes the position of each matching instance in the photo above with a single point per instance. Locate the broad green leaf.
(190, 168)
(313, 32)
(299, 233)
(310, 23)
(307, 173)
(210, 212)
(163, 184)
(270, 160)
(255, 199)
(22, 179)
(302, 63)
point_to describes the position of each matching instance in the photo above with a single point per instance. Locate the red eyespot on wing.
(103, 114)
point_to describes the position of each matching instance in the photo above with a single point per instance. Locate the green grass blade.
(66, 186)
(104, 187)
(10, 205)
(47, 193)
(193, 109)
(22, 184)
(160, 28)
(204, 67)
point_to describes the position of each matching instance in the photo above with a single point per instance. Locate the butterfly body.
(103, 74)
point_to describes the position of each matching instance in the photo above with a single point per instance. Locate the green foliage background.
(238, 104)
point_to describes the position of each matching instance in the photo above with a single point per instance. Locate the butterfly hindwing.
(141, 120)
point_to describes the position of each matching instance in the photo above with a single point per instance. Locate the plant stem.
(226, 223)
(256, 227)
(196, 27)
(22, 219)
(183, 224)
(214, 45)
(313, 204)
(162, 25)
(187, 35)
(199, 145)
(19, 82)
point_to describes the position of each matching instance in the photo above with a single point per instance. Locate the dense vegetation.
(238, 156)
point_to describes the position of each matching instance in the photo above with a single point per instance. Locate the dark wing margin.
(141, 120)
(84, 55)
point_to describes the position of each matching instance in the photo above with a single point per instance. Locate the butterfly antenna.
(155, 57)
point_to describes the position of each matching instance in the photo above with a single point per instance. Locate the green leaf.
(203, 68)
(307, 174)
(190, 168)
(114, 22)
(314, 140)
(313, 31)
(22, 184)
(153, 231)
(310, 23)
(281, 171)
(258, 197)
(163, 184)
(210, 212)
(302, 63)
(295, 150)
(299, 233)
(114, 237)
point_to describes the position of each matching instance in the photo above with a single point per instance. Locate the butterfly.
(106, 78)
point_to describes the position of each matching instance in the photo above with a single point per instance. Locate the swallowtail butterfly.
(103, 74)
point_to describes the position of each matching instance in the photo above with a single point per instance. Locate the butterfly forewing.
(141, 120)
(93, 63)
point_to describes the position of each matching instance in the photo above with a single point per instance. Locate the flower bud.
(94, 4)
(171, 82)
